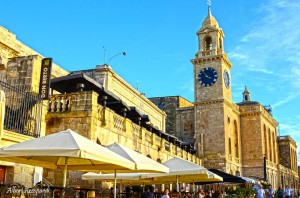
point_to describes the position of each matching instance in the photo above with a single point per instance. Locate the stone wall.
(288, 152)
(287, 177)
(210, 134)
(24, 72)
(185, 121)
(232, 138)
(180, 120)
(168, 105)
(22, 174)
(258, 130)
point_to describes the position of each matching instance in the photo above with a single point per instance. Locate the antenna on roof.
(137, 85)
(104, 55)
(209, 5)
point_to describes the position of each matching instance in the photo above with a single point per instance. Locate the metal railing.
(23, 110)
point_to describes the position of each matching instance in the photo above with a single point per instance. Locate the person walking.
(147, 193)
(111, 192)
(280, 192)
(260, 192)
(287, 192)
(271, 192)
(166, 193)
(201, 194)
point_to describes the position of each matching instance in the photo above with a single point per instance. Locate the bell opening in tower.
(208, 43)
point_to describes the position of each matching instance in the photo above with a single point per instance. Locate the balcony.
(23, 110)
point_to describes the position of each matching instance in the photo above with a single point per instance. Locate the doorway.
(2, 174)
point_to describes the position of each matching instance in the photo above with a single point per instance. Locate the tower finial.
(209, 5)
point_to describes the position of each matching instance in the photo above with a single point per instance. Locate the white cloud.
(296, 77)
(271, 46)
(287, 98)
(291, 127)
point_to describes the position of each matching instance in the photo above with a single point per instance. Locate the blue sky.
(159, 37)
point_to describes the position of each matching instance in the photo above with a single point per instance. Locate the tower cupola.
(209, 21)
(210, 36)
(246, 95)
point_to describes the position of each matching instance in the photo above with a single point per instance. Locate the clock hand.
(206, 75)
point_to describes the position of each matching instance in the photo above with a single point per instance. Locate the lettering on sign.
(45, 78)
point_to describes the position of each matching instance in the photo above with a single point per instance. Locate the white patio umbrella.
(66, 150)
(250, 180)
(127, 177)
(142, 163)
(130, 178)
(182, 171)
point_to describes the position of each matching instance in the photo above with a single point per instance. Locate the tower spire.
(209, 5)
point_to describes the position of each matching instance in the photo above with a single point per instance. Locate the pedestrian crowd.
(271, 193)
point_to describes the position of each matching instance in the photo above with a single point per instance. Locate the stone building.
(105, 110)
(19, 75)
(176, 108)
(240, 139)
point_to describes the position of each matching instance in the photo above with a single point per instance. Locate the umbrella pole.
(177, 184)
(193, 186)
(115, 185)
(65, 175)
(121, 186)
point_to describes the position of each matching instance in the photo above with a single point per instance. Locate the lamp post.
(105, 62)
(265, 168)
(123, 53)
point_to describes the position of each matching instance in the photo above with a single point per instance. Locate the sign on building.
(45, 78)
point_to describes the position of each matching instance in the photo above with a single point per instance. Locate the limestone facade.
(20, 67)
(185, 124)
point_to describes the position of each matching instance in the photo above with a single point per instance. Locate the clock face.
(207, 76)
(226, 79)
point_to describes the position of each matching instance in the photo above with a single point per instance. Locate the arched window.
(270, 145)
(296, 158)
(208, 43)
(237, 173)
(274, 148)
(266, 143)
(229, 145)
(221, 43)
(236, 142)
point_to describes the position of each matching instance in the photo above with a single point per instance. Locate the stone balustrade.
(59, 103)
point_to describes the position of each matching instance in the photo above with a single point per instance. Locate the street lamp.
(123, 53)
(265, 168)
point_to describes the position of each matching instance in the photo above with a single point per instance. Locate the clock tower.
(216, 138)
